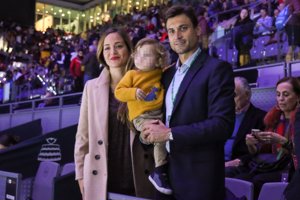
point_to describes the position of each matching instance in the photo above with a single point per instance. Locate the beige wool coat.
(91, 144)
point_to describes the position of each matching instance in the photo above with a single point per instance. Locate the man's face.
(182, 35)
(241, 98)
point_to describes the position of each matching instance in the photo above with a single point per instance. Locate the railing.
(36, 104)
(56, 112)
(63, 110)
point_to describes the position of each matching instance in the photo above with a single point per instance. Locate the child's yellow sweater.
(133, 79)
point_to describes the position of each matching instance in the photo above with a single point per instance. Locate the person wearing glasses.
(199, 113)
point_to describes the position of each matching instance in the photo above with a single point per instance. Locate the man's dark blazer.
(253, 119)
(202, 120)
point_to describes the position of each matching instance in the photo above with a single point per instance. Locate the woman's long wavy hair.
(122, 114)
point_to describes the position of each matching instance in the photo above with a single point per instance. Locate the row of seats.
(261, 49)
(41, 186)
(269, 191)
(45, 185)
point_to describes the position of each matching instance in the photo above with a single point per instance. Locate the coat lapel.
(196, 66)
(101, 90)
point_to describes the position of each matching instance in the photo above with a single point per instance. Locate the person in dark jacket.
(243, 37)
(91, 65)
(247, 117)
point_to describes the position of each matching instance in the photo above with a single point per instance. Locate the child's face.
(145, 58)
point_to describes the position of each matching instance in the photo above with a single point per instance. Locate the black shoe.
(160, 182)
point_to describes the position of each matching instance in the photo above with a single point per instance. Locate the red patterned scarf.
(275, 122)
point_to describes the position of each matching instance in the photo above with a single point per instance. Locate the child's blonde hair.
(161, 51)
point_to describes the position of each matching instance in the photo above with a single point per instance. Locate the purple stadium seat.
(43, 182)
(240, 187)
(272, 191)
(67, 168)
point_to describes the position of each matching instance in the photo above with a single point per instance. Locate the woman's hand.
(80, 183)
(140, 94)
(251, 142)
(271, 138)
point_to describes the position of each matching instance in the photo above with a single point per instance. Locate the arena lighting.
(54, 13)
(114, 2)
(51, 9)
(46, 11)
(41, 79)
(69, 12)
(83, 15)
(17, 64)
(63, 14)
(2, 74)
(60, 10)
(51, 89)
(137, 3)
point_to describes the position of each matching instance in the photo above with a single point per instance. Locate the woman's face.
(286, 97)
(115, 51)
(243, 14)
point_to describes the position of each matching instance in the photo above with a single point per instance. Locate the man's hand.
(154, 131)
(233, 163)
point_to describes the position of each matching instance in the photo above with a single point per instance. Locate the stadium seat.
(239, 187)
(272, 191)
(43, 182)
(67, 168)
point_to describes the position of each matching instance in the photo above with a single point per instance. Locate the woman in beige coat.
(109, 157)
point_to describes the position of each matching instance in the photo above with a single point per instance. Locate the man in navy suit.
(199, 113)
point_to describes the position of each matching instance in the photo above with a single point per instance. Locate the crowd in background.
(61, 62)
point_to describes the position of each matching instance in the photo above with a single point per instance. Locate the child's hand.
(140, 94)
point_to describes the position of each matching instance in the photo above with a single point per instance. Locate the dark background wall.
(21, 11)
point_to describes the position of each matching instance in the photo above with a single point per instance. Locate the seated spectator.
(272, 148)
(7, 140)
(264, 24)
(276, 36)
(247, 117)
